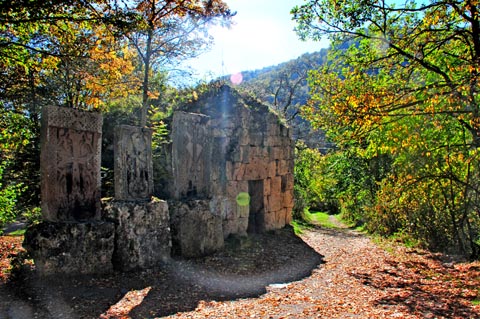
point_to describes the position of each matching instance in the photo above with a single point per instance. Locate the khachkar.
(70, 164)
(142, 222)
(72, 238)
(133, 163)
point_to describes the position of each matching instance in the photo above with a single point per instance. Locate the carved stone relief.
(70, 164)
(133, 163)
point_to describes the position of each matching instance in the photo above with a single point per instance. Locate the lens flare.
(236, 78)
(243, 199)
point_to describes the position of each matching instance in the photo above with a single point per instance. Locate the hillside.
(284, 87)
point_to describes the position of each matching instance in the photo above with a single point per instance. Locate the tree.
(406, 60)
(403, 81)
(171, 30)
(51, 52)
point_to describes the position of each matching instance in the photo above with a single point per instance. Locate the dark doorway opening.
(256, 218)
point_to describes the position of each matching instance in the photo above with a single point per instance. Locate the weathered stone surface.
(191, 155)
(142, 233)
(70, 164)
(249, 146)
(195, 230)
(133, 163)
(71, 248)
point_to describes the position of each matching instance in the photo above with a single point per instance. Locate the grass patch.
(299, 226)
(385, 243)
(476, 302)
(319, 218)
(18, 232)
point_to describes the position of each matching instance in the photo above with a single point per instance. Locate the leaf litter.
(357, 279)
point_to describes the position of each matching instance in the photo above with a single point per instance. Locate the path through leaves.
(358, 279)
(361, 280)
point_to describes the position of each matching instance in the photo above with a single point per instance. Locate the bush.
(8, 200)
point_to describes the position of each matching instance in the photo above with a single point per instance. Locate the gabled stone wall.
(225, 145)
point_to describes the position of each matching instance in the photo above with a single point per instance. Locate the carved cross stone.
(70, 164)
(133, 163)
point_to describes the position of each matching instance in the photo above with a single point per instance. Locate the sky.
(262, 36)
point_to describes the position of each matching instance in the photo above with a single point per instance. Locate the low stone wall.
(71, 248)
(142, 233)
(134, 235)
(196, 231)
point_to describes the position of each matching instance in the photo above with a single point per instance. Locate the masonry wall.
(246, 149)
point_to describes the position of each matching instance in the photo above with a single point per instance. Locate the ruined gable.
(224, 146)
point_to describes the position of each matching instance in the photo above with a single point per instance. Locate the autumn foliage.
(400, 93)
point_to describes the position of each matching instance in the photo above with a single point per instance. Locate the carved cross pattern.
(75, 156)
(137, 173)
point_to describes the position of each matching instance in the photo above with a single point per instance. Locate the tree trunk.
(145, 84)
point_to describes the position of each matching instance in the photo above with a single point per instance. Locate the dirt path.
(360, 280)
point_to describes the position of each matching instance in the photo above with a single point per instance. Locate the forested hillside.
(284, 87)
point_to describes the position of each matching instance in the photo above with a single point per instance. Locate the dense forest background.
(386, 121)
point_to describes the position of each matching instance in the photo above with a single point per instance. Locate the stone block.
(239, 171)
(282, 167)
(270, 218)
(229, 170)
(255, 170)
(275, 201)
(280, 218)
(191, 155)
(273, 141)
(266, 203)
(267, 186)
(289, 181)
(272, 169)
(142, 233)
(236, 187)
(133, 163)
(256, 138)
(70, 164)
(277, 152)
(225, 207)
(276, 185)
(273, 129)
(71, 248)
(288, 216)
(196, 231)
(288, 198)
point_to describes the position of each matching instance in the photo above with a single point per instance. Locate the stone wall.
(142, 233)
(196, 230)
(71, 248)
(232, 174)
(76, 237)
(225, 145)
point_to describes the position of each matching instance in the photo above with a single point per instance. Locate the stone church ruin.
(230, 163)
